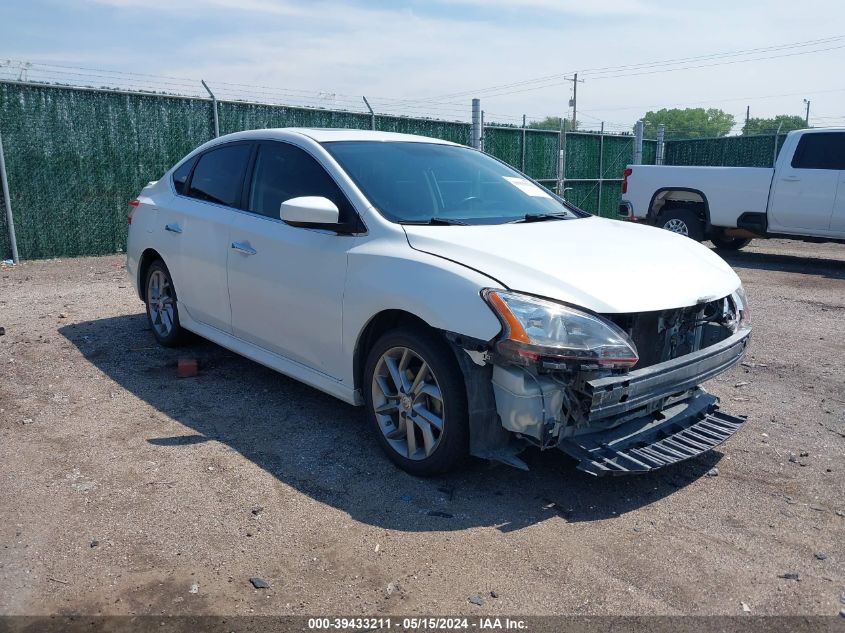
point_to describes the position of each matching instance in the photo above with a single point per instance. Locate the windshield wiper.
(540, 217)
(435, 221)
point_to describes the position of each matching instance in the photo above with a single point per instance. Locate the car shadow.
(808, 265)
(323, 447)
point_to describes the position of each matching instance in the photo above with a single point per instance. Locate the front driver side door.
(286, 283)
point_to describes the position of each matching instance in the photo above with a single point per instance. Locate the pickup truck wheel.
(416, 399)
(682, 221)
(723, 242)
(162, 308)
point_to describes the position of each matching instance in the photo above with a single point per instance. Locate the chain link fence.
(76, 156)
(726, 151)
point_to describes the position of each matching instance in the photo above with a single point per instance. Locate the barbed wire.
(81, 76)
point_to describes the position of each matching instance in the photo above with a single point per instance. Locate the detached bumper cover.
(684, 430)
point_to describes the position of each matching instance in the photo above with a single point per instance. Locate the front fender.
(388, 276)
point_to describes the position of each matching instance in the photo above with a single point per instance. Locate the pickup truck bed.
(802, 197)
(731, 191)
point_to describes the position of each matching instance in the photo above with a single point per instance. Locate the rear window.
(219, 174)
(180, 176)
(820, 150)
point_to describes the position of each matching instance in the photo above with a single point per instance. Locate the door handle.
(790, 179)
(246, 249)
(173, 228)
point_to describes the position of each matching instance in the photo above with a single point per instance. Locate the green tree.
(688, 122)
(786, 122)
(553, 123)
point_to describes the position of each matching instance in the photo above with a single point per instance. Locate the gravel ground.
(127, 490)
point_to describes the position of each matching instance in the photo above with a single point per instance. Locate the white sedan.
(470, 310)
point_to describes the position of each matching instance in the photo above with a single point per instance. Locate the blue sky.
(331, 52)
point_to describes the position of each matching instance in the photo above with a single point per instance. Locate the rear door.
(286, 283)
(805, 189)
(201, 230)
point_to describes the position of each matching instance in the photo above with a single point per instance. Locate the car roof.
(325, 135)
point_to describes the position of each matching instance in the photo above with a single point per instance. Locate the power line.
(665, 62)
(665, 70)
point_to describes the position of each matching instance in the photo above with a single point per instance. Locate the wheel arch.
(147, 257)
(380, 323)
(704, 208)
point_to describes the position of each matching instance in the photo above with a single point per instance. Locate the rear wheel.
(416, 400)
(682, 221)
(720, 240)
(162, 307)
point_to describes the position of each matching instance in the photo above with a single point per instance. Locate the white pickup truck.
(802, 198)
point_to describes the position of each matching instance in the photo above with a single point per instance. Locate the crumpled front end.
(616, 420)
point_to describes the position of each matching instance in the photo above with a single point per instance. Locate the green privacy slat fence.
(446, 130)
(505, 144)
(727, 151)
(75, 156)
(236, 117)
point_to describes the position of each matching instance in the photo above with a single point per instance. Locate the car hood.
(603, 265)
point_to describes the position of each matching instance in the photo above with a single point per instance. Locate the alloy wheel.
(408, 403)
(677, 226)
(161, 302)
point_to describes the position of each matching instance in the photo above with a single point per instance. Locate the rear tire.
(682, 221)
(406, 416)
(162, 306)
(723, 242)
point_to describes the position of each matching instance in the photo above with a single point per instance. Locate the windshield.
(428, 183)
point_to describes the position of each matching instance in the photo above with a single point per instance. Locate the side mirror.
(309, 211)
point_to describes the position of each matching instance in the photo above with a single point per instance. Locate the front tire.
(682, 221)
(162, 306)
(723, 242)
(416, 401)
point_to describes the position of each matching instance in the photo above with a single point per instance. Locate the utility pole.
(574, 101)
(747, 116)
(807, 116)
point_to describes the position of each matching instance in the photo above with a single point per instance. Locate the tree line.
(692, 123)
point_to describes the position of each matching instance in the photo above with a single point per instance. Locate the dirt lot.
(124, 489)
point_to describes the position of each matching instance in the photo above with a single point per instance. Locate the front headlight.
(535, 329)
(740, 302)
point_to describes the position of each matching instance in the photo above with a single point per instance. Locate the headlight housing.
(740, 301)
(535, 329)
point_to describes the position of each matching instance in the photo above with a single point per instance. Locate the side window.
(180, 176)
(822, 150)
(284, 171)
(219, 174)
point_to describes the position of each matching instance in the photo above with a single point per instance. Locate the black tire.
(176, 335)
(684, 221)
(723, 242)
(452, 447)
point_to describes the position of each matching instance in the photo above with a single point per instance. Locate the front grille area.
(666, 334)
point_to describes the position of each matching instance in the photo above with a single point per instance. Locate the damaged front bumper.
(683, 430)
(628, 423)
(646, 389)
(657, 415)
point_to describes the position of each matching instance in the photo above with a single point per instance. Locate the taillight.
(133, 204)
(628, 171)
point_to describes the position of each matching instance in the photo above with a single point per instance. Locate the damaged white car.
(467, 308)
